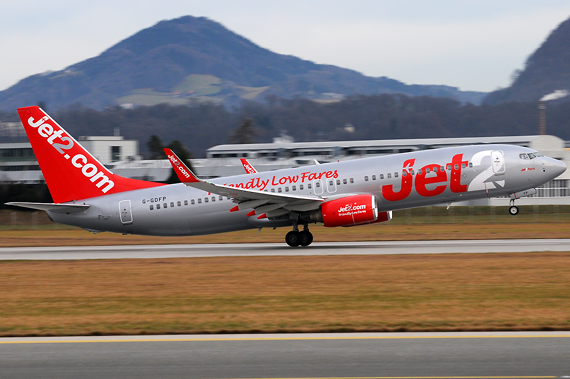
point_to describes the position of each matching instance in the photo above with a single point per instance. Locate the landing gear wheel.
(293, 238)
(306, 238)
(514, 210)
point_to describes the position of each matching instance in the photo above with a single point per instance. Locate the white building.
(109, 149)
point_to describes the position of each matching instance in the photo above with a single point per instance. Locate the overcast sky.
(471, 44)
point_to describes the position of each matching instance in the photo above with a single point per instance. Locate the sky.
(475, 45)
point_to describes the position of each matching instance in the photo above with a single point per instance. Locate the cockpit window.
(538, 155)
(531, 155)
(523, 156)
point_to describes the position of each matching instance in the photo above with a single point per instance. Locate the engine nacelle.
(348, 211)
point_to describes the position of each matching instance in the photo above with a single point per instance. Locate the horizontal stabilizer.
(59, 208)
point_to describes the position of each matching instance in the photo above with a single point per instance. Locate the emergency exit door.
(125, 212)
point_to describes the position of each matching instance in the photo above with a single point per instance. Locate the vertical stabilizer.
(69, 170)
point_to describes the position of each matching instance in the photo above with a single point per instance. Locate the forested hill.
(204, 125)
(190, 59)
(546, 70)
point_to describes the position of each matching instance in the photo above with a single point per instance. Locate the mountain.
(193, 59)
(546, 70)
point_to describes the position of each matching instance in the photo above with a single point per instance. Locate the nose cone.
(557, 167)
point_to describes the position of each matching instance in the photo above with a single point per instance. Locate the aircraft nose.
(557, 167)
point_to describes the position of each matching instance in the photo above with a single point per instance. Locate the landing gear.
(513, 209)
(295, 238)
(306, 236)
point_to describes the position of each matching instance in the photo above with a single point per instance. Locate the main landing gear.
(296, 238)
(513, 209)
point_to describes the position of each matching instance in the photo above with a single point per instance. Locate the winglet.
(184, 173)
(249, 169)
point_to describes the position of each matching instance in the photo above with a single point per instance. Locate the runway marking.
(238, 339)
(424, 377)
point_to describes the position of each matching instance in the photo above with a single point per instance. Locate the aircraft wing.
(267, 204)
(60, 208)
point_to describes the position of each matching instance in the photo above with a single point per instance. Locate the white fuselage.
(397, 181)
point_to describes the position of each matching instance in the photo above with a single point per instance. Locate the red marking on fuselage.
(421, 181)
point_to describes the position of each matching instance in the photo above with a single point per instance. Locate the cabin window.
(373, 177)
(301, 187)
(205, 200)
(199, 201)
(351, 180)
(157, 206)
(442, 169)
(185, 202)
(470, 164)
(381, 176)
(178, 203)
(388, 175)
(463, 165)
(309, 186)
(366, 178)
(294, 188)
(213, 199)
(427, 171)
(338, 182)
(331, 182)
(172, 204)
(404, 173)
(420, 171)
(279, 190)
(165, 205)
(221, 198)
(286, 189)
(344, 181)
(273, 190)
(449, 167)
(192, 201)
(457, 167)
(318, 184)
(395, 174)
(151, 207)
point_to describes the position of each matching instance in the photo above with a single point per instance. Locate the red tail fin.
(69, 170)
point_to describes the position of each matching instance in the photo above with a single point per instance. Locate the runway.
(370, 355)
(281, 249)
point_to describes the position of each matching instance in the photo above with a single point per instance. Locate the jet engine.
(348, 211)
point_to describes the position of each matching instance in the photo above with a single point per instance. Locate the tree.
(155, 148)
(244, 133)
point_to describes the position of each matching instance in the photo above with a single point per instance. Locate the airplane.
(348, 193)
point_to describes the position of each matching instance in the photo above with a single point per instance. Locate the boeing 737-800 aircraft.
(349, 193)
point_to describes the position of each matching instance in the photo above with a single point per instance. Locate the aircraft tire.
(293, 238)
(306, 238)
(514, 210)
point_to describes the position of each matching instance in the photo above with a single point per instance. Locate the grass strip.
(451, 292)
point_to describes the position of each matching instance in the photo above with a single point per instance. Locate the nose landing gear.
(296, 238)
(513, 209)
